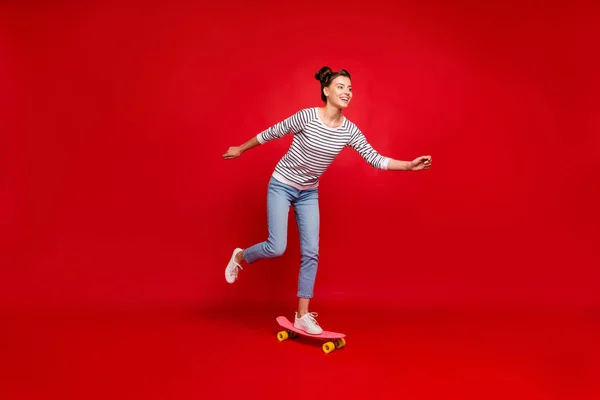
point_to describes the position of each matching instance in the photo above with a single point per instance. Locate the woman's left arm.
(418, 164)
(360, 144)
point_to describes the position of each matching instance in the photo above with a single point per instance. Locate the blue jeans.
(306, 206)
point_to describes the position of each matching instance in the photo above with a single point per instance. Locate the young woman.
(320, 134)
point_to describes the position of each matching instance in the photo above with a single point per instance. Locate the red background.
(115, 117)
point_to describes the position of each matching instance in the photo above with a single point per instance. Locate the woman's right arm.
(292, 124)
(236, 151)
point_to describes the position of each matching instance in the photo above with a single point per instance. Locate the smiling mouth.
(345, 99)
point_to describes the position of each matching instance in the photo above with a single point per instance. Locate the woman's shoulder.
(351, 126)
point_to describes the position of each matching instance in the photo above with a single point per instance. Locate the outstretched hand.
(232, 152)
(420, 163)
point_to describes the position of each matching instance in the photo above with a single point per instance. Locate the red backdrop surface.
(115, 118)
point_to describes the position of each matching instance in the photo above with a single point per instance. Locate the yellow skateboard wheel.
(341, 342)
(328, 347)
(282, 336)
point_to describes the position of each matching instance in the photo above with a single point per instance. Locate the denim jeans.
(280, 197)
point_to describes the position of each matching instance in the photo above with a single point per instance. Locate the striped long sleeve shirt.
(315, 146)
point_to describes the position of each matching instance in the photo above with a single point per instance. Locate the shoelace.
(311, 318)
(235, 270)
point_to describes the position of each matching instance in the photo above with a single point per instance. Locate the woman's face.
(339, 92)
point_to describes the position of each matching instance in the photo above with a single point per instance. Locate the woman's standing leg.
(308, 221)
(279, 198)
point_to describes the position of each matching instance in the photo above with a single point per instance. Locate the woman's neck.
(331, 115)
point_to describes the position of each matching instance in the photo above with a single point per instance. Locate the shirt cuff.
(384, 164)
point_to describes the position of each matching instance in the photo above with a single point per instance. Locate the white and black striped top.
(315, 146)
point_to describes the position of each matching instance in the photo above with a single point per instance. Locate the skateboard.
(334, 340)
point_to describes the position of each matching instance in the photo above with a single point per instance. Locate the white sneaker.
(231, 272)
(308, 323)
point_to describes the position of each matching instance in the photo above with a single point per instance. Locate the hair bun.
(323, 74)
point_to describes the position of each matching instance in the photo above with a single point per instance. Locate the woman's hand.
(420, 163)
(233, 152)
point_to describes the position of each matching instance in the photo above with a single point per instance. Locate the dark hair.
(325, 75)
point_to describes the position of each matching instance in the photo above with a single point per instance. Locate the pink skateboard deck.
(335, 340)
